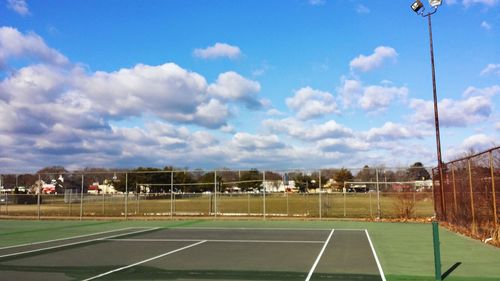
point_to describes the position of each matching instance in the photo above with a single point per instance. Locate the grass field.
(404, 249)
(351, 205)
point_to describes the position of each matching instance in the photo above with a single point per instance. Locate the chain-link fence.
(326, 193)
(468, 199)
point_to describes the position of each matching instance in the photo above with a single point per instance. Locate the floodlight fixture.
(417, 6)
(435, 3)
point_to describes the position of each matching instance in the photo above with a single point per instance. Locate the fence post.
(287, 204)
(126, 196)
(38, 191)
(264, 194)
(172, 194)
(319, 180)
(345, 214)
(493, 193)
(1, 177)
(472, 200)
(215, 193)
(81, 200)
(371, 212)
(454, 190)
(379, 212)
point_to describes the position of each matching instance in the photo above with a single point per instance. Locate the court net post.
(437, 251)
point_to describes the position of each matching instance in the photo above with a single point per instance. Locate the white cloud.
(454, 113)
(485, 25)
(497, 126)
(308, 132)
(373, 98)
(475, 143)
(480, 142)
(212, 114)
(375, 60)
(350, 91)
(378, 98)
(218, 50)
(19, 6)
(232, 86)
(348, 145)
(14, 44)
(252, 142)
(310, 103)
(394, 131)
(493, 69)
(487, 91)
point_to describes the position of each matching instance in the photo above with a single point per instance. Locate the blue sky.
(243, 84)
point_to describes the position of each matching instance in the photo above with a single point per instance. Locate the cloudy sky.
(243, 84)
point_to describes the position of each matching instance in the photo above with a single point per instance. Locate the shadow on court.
(152, 273)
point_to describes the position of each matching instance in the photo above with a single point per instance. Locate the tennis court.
(155, 253)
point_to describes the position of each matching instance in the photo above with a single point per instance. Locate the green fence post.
(437, 251)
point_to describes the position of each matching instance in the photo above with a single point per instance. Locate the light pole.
(418, 8)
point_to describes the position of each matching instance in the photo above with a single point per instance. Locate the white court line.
(319, 256)
(144, 261)
(251, 228)
(67, 238)
(216, 240)
(375, 256)
(75, 243)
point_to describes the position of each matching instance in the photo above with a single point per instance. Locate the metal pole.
(454, 190)
(172, 194)
(126, 196)
(81, 200)
(472, 200)
(215, 194)
(1, 186)
(38, 191)
(264, 194)
(379, 212)
(103, 201)
(138, 200)
(371, 212)
(493, 193)
(437, 251)
(287, 207)
(319, 180)
(344, 200)
(436, 121)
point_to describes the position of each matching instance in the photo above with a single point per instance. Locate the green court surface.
(236, 250)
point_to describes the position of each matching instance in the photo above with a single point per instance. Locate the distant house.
(400, 187)
(96, 188)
